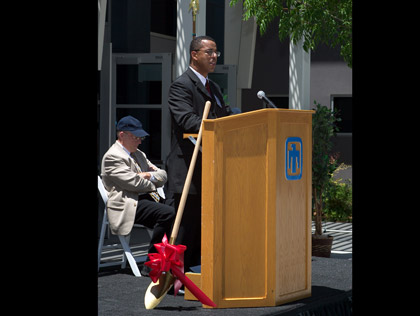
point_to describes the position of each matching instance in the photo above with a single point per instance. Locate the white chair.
(124, 240)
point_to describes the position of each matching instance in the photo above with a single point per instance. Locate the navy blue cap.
(133, 125)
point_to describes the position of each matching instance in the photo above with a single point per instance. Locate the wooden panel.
(208, 237)
(294, 227)
(239, 215)
(291, 244)
(244, 222)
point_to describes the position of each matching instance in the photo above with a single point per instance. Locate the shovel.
(157, 291)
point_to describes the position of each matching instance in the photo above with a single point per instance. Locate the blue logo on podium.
(294, 158)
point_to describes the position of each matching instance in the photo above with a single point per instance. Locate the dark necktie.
(208, 87)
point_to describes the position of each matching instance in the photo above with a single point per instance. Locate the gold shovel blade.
(157, 291)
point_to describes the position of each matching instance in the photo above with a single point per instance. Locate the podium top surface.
(250, 113)
(261, 111)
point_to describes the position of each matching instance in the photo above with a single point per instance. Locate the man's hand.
(145, 175)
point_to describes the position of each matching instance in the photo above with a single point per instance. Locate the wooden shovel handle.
(187, 184)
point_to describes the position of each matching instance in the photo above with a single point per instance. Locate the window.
(139, 84)
(163, 14)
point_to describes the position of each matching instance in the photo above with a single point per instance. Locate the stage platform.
(121, 293)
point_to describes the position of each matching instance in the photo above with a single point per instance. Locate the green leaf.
(316, 21)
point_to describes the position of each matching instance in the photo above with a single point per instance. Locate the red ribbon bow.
(171, 257)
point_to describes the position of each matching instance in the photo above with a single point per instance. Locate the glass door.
(140, 84)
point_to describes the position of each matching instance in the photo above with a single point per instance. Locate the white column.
(101, 30)
(299, 77)
(184, 33)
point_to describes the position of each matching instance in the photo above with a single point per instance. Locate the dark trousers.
(157, 216)
(189, 233)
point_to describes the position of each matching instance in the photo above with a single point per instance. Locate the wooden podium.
(256, 208)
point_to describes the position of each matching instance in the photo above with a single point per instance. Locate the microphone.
(261, 95)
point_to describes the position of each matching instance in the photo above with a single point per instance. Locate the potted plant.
(338, 199)
(323, 165)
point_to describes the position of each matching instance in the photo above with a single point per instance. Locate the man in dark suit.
(187, 97)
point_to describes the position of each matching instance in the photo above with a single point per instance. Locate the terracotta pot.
(321, 245)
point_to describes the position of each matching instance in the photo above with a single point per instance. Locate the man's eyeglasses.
(209, 52)
(135, 137)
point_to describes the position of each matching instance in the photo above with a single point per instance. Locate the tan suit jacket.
(123, 183)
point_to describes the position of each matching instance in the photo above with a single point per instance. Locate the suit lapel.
(198, 83)
(137, 160)
(215, 110)
(202, 88)
(124, 155)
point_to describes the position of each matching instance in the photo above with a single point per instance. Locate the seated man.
(131, 181)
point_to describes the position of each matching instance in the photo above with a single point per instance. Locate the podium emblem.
(294, 158)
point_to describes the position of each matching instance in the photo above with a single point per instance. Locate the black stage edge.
(121, 293)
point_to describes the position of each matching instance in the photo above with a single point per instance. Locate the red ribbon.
(171, 257)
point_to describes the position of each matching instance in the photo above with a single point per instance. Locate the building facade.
(143, 46)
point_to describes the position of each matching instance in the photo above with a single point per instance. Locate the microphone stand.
(268, 104)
